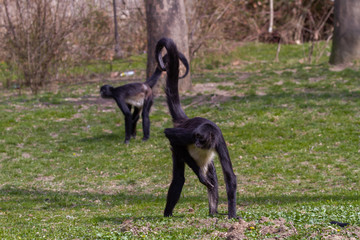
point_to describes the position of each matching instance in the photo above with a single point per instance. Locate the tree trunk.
(167, 19)
(117, 45)
(346, 41)
(271, 16)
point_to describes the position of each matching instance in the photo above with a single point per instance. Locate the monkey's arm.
(180, 136)
(123, 107)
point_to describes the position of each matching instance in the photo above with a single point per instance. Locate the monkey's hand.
(205, 181)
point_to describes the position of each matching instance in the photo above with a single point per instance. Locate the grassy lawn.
(292, 129)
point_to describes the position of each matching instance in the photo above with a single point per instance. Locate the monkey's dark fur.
(193, 141)
(140, 96)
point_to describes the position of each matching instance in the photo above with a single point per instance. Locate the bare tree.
(35, 36)
(346, 41)
(204, 18)
(167, 19)
(117, 45)
(271, 2)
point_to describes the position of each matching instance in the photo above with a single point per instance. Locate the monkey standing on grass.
(193, 141)
(140, 96)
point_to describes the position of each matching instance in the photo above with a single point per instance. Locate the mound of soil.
(281, 229)
(266, 227)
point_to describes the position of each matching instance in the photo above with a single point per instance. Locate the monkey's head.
(106, 91)
(205, 136)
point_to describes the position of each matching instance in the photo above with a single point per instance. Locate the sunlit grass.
(292, 129)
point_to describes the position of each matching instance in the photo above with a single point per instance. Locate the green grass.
(101, 67)
(9, 76)
(292, 130)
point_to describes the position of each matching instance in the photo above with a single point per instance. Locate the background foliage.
(41, 40)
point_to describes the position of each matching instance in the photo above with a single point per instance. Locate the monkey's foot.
(168, 215)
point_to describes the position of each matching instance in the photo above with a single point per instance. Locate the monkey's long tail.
(152, 80)
(172, 70)
(156, 75)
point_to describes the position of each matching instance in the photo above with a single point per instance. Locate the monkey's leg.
(176, 185)
(213, 194)
(127, 113)
(127, 128)
(135, 118)
(229, 177)
(145, 117)
(230, 181)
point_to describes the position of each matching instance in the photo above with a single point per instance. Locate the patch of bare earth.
(201, 92)
(265, 229)
(212, 88)
(278, 228)
(281, 229)
(129, 226)
(347, 233)
(93, 99)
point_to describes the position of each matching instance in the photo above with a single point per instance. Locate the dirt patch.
(279, 227)
(216, 88)
(209, 93)
(282, 229)
(264, 228)
(238, 230)
(212, 88)
(44, 178)
(206, 100)
(335, 233)
(89, 100)
(129, 226)
(272, 229)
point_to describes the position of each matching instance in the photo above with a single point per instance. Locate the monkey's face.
(105, 91)
(205, 136)
(204, 140)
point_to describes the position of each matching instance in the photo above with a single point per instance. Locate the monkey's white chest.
(203, 157)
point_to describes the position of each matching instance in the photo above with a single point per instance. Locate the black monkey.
(193, 141)
(140, 96)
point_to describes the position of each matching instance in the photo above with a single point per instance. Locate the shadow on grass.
(29, 198)
(301, 98)
(298, 198)
(314, 93)
(308, 94)
(151, 218)
(103, 137)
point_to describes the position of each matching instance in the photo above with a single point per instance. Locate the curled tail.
(171, 66)
(152, 80)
